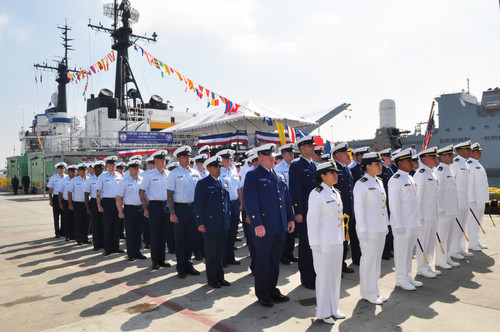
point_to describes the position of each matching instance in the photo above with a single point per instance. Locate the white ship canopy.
(215, 121)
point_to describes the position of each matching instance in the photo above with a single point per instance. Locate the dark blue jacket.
(356, 172)
(211, 204)
(302, 175)
(345, 185)
(267, 201)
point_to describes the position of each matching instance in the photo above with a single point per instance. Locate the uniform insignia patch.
(396, 176)
(477, 167)
(456, 159)
(363, 180)
(372, 188)
(440, 168)
(469, 162)
(319, 189)
(421, 170)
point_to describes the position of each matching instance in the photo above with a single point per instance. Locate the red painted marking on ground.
(159, 300)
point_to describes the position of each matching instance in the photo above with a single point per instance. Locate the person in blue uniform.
(180, 192)
(318, 152)
(106, 204)
(302, 175)
(91, 205)
(69, 222)
(53, 186)
(76, 203)
(154, 183)
(130, 209)
(146, 237)
(355, 167)
(232, 184)
(252, 163)
(269, 208)
(212, 210)
(283, 169)
(199, 243)
(345, 185)
(386, 174)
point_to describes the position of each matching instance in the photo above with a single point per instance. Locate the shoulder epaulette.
(456, 159)
(440, 168)
(469, 162)
(319, 189)
(421, 170)
(396, 176)
(363, 180)
(378, 178)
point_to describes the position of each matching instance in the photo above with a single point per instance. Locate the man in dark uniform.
(345, 185)
(269, 208)
(212, 210)
(318, 152)
(355, 167)
(15, 184)
(387, 173)
(26, 182)
(91, 205)
(302, 174)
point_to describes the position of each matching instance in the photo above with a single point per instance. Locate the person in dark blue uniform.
(387, 173)
(212, 210)
(345, 185)
(269, 208)
(302, 174)
(355, 167)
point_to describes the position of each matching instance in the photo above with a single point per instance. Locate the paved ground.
(50, 284)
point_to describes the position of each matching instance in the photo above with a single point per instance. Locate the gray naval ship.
(460, 117)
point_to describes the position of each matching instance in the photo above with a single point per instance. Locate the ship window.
(486, 138)
(486, 127)
(447, 129)
(473, 128)
(454, 140)
(460, 129)
(494, 138)
(441, 141)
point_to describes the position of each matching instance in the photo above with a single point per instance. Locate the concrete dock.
(50, 284)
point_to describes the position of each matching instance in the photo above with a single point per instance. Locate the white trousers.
(370, 264)
(328, 267)
(427, 237)
(444, 229)
(473, 229)
(403, 253)
(457, 239)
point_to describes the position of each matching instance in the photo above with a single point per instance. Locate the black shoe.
(215, 284)
(141, 257)
(194, 272)
(280, 298)
(347, 270)
(293, 259)
(285, 261)
(266, 303)
(155, 266)
(308, 286)
(225, 283)
(234, 262)
(164, 264)
(198, 257)
(107, 253)
(131, 259)
(181, 275)
(235, 248)
(386, 257)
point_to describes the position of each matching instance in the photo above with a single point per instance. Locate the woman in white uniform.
(370, 208)
(326, 236)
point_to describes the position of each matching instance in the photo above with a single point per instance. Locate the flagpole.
(428, 123)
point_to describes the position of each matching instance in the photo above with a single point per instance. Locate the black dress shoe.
(164, 264)
(155, 266)
(131, 259)
(194, 272)
(235, 248)
(234, 262)
(285, 261)
(215, 284)
(347, 270)
(266, 303)
(225, 283)
(293, 259)
(280, 298)
(181, 275)
(141, 257)
(107, 253)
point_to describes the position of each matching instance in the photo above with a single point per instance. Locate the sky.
(300, 57)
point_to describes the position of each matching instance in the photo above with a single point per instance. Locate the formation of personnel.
(377, 205)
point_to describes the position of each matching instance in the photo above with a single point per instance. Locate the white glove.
(363, 236)
(400, 230)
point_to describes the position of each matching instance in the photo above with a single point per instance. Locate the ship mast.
(123, 16)
(62, 71)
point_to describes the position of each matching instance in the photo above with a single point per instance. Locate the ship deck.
(48, 283)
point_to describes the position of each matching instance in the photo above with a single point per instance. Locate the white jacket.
(325, 226)
(403, 201)
(461, 171)
(370, 205)
(478, 184)
(427, 193)
(447, 190)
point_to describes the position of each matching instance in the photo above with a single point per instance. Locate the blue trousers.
(233, 230)
(81, 222)
(185, 233)
(247, 229)
(134, 216)
(268, 251)
(158, 220)
(214, 249)
(169, 230)
(111, 225)
(97, 225)
(306, 267)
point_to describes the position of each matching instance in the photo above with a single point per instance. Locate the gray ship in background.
(460, 117)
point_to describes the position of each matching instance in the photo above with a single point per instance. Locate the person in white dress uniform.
(326, 237)
(371, 225)
(478, 196)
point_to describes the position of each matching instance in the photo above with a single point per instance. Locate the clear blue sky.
(296, 56)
